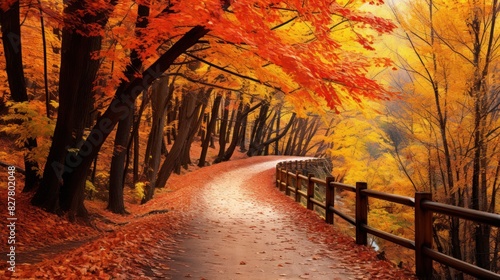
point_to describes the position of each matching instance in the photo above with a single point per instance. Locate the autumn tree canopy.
(103, 54)
(444, 130)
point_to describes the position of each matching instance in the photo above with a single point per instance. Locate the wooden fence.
(289, 179)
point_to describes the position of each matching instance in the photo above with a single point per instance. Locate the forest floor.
(225, 221)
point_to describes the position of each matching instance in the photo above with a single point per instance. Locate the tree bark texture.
(11, 40)
(75, 166)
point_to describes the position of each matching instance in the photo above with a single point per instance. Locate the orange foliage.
(314, 56)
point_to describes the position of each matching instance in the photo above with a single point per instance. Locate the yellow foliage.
(89, 187)
(27, 120)
(139, 191)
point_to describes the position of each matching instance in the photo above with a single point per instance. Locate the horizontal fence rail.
(290, 179)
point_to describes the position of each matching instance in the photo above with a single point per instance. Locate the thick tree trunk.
(160, 96)
(11, 40)
(119, 161)
(135, 166)
(77, 75)
(479, 186)
(76, 166)
(117, 170)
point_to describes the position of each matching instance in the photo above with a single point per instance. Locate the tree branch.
(232, 72)
(18, 169)
(284, 23)
(204, 83)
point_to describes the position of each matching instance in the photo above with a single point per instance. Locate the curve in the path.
(236, 235)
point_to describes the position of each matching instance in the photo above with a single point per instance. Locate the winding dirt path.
(235, 234)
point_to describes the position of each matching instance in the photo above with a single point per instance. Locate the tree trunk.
(173, 110)
(160, 96)
(185, 159)
(239, 128)
(117, 170)
(292, 140)
(310, 133)
(230, 125)
(243, 134)
(121, 150)
(11, 40)
(258, 130)
(322, 147)
(223, 130)
(76, 166)
(187, 115)
(210, 130)
(278, 136)
(278, 123)
(480, 93)
(77, 75)
(288, 146)
(45, 66)
(268, 132)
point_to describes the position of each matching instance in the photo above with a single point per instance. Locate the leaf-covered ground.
(212, 208)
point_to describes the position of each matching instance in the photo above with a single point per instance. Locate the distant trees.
(445, 132)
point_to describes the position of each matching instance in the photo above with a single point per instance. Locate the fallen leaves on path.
(349, 254)
(120, 254)
(139, 249)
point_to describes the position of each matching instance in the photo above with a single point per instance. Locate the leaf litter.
(139, 246)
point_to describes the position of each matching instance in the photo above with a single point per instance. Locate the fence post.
(423, 236)
(278, 176)
(361, 214)
(330, 200)
(285, 179)
(287, 190)
(297, 186)
(310, 191)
